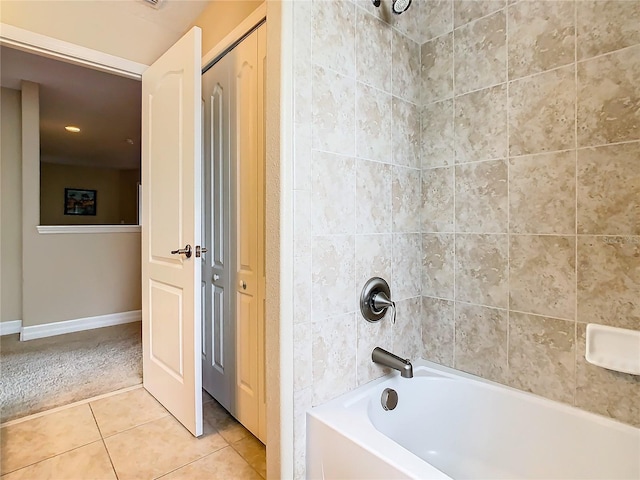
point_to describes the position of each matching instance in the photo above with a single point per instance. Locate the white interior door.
(218, 359)
(171, 220)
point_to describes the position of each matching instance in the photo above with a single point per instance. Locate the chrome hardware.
(375, 299)
(200, 250)
(186, 251)
(243, 284)
(390, 360)
(389, 399)
(216, 277)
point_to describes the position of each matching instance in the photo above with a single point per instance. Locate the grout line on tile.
(507, 111)
(575, 184)
(459, 27)
(71, 405)
(612, 52)
(113, 467)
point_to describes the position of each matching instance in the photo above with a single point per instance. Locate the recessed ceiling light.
(72, 128)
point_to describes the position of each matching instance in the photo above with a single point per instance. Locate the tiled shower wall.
(531, 192)
(357, 194)
(484, 159)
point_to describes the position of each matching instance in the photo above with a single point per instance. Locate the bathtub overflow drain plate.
(389, 399)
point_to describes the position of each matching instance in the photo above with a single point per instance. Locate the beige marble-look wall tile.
(481, 53)
(542, 356)
(407, 200)
(333, 276)
(334, 179)
(405, 68)
(406, 133)
(334, 117)
(481, 341)
(609, 98)
(334, 36)
(334, 355)
(542, 275)
(302, 60)
(302, 358)
(609, 190)
(609, 281)
(437, 200)
(481, 125)
(437, 134)
(303, 289)
(542, 193)
(374, 54)
(438, 330)
(302, 401)
(373, 123)
(373, 258)
(609, 393)
(410, 25)
(370, 336)
(541, 36)
(438, 265)
(407, 331)
(437, 68)
(35, 440)
(406, 266)
(92, 460)
(373, 197)
(439, 16)
(302, 226)
(482, 197)
(482, 269)
(605, 26)
(465, 11)
(542, 112)
(303, 149)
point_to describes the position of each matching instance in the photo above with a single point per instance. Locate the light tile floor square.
(132, 436)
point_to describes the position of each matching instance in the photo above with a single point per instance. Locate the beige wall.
(11, 203)
(69, 276)
(116, 194)
(220, 17)
(488, 185)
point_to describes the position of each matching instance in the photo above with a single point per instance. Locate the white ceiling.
(106, 107)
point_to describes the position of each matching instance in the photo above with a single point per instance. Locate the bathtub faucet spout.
(388, 359)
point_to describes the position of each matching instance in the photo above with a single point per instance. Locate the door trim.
(70, 52)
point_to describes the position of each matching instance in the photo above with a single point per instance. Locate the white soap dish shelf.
(613, 348)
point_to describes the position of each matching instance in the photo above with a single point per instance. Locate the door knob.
(200, 250)
(243, 284)
(186, 251)
(216, 277)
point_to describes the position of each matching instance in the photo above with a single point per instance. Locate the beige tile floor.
(128, 435)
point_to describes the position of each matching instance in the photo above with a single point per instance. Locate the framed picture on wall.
(79, 201)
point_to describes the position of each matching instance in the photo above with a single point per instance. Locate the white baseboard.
(11, 327)
(79, 324)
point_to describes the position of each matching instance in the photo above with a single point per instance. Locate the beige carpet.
(50, 372)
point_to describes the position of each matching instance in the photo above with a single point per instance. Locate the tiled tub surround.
(531, 194)
(482, 157)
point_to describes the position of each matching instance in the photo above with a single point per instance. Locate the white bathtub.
(452, 425)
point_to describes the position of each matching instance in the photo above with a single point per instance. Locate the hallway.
(128, 435)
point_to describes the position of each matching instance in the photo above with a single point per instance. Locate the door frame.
(279, 217)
